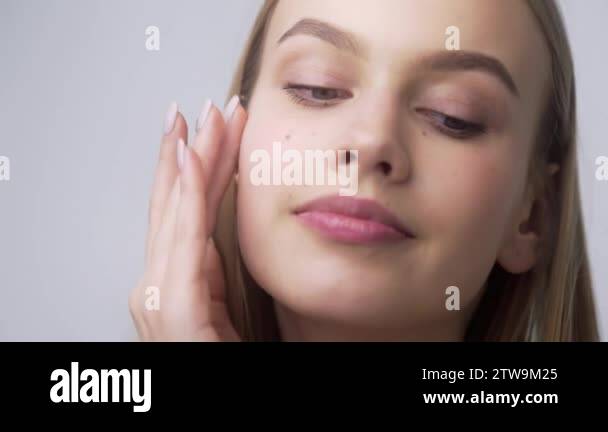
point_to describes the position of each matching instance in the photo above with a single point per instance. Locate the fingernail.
(229, 110)
(181, 148)
(203, 116)
(170, 118)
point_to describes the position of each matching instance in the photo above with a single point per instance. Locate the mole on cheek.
(288, 135)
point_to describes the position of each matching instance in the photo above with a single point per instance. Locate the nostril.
(349, 157)
(386, 168)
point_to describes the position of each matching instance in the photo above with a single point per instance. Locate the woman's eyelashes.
(324, 97)
(316, 96)
(451, 126)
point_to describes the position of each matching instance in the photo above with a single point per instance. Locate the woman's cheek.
(259, 204)
(470, 190)
(468, 209)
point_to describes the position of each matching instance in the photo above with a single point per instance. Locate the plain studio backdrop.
(82, 103)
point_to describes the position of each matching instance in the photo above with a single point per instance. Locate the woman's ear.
(519, 253)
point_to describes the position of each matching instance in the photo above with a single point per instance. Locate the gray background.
(81, 109)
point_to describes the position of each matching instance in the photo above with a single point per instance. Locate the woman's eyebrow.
(441, 60)
(469, 60)
(341, 39)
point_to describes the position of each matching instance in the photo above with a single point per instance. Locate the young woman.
(466, 224)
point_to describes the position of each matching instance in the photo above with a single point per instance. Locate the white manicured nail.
(229, 110)
(181, 148)
(170, 117)
(203, 116)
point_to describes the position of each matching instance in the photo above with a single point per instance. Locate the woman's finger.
(186, 270)
(166, 171)
(210, 131)
(225, 168)
(160, 247)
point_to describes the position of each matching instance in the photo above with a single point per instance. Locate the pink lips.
(352, 220)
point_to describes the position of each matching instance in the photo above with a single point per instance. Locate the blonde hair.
(551, 302)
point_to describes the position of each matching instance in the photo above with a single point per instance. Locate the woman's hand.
(183, 268)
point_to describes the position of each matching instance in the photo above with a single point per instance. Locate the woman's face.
(442, 139)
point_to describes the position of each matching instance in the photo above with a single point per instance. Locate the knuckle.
(133, 301)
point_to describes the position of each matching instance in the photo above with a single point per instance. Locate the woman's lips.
(352, 220)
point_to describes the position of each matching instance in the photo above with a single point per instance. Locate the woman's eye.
(453, 126)
(316, 96)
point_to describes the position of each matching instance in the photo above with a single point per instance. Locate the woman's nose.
(376, 136)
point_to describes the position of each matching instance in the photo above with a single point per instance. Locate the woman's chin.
(345, 299)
